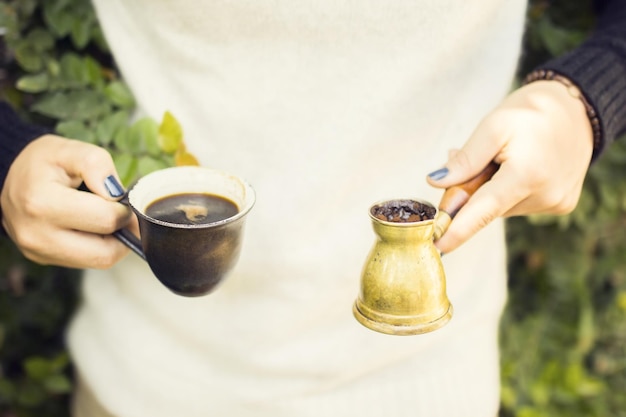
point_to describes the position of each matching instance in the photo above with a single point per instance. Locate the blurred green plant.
(58, 72)
(36, 302)
(65, 77)
(563, 332)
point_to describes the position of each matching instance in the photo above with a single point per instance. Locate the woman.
(325, 107)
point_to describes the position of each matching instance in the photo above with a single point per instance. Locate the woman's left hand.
(541, 137)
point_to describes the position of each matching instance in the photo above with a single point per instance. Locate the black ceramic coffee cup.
(189, 259)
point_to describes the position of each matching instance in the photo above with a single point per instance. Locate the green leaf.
(58, 19)
(120, 94)
(93, 71)
(54, 67)
(120, 139)
(75, 129)
(107, 128)
(60, 362)
(57, 384)
(75, 105)
(146, 131)
(147, 164)
(37, 368)
(36, 83)
(125, 141)
(126, 167)
(28, 57)
(74, 71)
(40, 39)
(170, 133)
(81, 31)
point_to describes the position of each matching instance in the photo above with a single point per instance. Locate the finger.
(90, 164)
(133, 226)
(465, 163)
(97, 214)
(73, 249)
(495, 198)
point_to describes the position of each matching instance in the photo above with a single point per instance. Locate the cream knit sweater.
(324, 106)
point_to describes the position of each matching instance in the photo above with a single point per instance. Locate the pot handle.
(456, 196)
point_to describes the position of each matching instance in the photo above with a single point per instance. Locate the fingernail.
(114, 188)
(439, 174)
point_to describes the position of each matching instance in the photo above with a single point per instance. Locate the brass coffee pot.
(403, 285)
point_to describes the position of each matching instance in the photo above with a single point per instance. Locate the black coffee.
(403, 211)
(191, 208)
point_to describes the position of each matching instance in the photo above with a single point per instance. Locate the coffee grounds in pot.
(403, 211)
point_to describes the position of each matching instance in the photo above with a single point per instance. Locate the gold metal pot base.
(403, 329)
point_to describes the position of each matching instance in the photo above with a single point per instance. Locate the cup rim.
(249, 192)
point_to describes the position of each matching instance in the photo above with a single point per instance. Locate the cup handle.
(126, 237)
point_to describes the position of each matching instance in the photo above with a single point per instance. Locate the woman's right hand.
(49, 219)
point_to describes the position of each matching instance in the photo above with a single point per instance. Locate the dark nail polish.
(439, 174)
(114, 188)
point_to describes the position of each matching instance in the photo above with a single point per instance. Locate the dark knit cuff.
(14, 136)
(600, 74)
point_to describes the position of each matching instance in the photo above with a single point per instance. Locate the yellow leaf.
(170, 134)
(185, 158)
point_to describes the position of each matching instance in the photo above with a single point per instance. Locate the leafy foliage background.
(563, 335)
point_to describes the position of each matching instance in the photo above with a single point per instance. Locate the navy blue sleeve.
(14, 136)
(598, 68)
